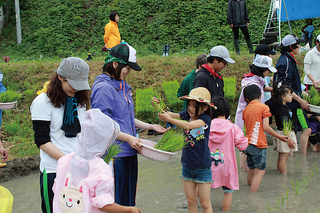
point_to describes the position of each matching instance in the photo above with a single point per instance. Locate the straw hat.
(200, 94)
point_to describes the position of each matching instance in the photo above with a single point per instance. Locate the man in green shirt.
(187, 84)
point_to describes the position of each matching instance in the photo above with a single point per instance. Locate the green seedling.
(313, 97)
(113, 151)
(287, 126)
(171, 141)
(9, 96)
(160, 106)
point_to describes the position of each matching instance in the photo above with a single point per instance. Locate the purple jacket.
(114, 98)
(242, 102)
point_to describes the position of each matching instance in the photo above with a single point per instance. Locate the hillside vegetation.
(67, 27)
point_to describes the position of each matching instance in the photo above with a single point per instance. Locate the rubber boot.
(167, 50)
(236, 46)
(250, 46)
(164, 50)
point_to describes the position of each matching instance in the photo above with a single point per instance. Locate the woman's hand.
(159, 128)
(316, 84)
(135, 143)
(304, 104)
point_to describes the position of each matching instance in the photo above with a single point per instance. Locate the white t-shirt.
(311, 65)
(42, 109)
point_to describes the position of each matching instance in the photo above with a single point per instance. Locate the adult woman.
(111, 31)
(56, 117)
(288, 73)
(113, 96)
(312, 66)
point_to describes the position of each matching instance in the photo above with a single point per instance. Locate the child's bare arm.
(181, 123)
(271, 132)
(116, 208)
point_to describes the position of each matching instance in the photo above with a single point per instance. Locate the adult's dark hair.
(223, 107)
(279, 91)
(251, 92)
(201, 106)
(284, 49)
(210, 59)
(257, 70)
(113, 16)
(58, 97)
(114, 72)
(201, 59)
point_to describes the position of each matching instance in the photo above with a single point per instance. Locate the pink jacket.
(224, 136)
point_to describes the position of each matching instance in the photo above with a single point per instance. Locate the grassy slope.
(17, 131)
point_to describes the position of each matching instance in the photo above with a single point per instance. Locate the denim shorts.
(258, 161)
(198, 175)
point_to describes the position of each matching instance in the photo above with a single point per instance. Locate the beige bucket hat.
(200, 94)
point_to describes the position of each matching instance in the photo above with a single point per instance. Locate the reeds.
(113, 151)
(171, 141)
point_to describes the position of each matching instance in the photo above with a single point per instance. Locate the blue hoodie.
(114, 98)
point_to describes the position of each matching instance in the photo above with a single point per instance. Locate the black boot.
(167, 50)
(164, 50)
(250, 46)
(236, 46)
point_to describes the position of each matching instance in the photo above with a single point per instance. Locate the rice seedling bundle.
(313, 97)
(9, 96)
(113, 151)
(287, 126)
(171, 141)
(161, 106)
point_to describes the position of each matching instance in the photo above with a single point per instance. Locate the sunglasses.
(224, 62)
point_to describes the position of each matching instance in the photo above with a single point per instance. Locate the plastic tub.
(314, 108)
(154, 154)
(7, 105)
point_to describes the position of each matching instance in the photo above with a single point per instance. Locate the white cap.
(221, 52)
(318, 38)
(291, 39)
(264, 61)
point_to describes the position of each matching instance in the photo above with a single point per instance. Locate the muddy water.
(160, 188)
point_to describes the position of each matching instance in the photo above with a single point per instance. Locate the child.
(282, 95)
(256, 119)
(195, 159)
(314, 138)
(84, 182)
(224, 136)
(261, 67)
